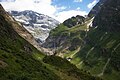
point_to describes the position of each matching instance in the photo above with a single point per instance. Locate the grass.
(113, 75)
(103, 50)
(68, 54)
(18, 57)
(58, 30)
(19, 60)
(67, 69)
(105, 44)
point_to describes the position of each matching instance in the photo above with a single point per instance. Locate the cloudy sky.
(58, 9)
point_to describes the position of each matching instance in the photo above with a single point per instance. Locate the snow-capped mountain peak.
(39, 25)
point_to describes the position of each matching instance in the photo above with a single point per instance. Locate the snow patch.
(38, 25)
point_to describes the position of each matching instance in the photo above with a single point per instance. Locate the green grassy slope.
(99, 47)
(66, 39)
(16, 56)
(66, 70)
(101, 53)
(19, 60)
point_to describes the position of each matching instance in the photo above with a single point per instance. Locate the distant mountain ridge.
(37, 24)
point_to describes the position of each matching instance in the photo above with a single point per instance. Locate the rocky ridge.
(37, 24)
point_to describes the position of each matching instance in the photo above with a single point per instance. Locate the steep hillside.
(65, 37)
(38, 25)
(101, 53)
(95, 10)
(94, 45)
(19, 28)
(19, 60)
(16, 55)
(68, 71)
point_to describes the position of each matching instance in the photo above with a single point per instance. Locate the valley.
(98, 43)
(34, 46)
(20, 60)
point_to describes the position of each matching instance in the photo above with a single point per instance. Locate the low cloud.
(41, 6)
(61, 16)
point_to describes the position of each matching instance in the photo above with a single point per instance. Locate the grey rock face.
(38, 25)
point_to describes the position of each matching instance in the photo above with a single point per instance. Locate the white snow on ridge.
(38, 25)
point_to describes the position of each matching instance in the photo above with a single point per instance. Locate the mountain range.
(83, 48)
(93, 44)
(21, 60)
(39, 25)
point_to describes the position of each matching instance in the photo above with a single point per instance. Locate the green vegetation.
(65, 67)
(71, 38)
(99, 45)
(21, 66)
(58, 30)
(74, 21)
(93, 50)
(19, 60)
(16, 56)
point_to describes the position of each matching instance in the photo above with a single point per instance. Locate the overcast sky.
(58, 9)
